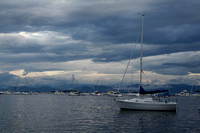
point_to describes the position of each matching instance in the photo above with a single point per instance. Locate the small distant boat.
(21, 93)
(59, 92)
(183, 93)
(74, 93)
(194, 93)
(96, 93)
(142, 102)
(114, 94)
(6, 92)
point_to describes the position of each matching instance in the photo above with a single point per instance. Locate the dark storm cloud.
(6, 78)
(99, 30)
(97, 21)
(166, 23)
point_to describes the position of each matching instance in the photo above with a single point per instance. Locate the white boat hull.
(146, 105)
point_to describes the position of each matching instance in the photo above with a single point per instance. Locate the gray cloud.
(7, 79)
(174, 64)
(103, 31)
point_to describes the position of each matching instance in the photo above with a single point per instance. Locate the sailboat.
(194, 91)
(142, 102)
(75, 92)
(96, 92)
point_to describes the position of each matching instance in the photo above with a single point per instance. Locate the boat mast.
(141, 70)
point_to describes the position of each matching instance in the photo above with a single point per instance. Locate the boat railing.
(166, 99)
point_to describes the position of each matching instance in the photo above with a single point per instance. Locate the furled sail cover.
(142, 91)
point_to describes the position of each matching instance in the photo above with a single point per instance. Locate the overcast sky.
(48, 41)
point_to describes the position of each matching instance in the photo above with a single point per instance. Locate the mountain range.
(173, 88)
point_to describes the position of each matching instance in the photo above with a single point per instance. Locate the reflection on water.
(62, 113)
(148, 121)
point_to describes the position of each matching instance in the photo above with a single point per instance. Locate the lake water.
(48, 113)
